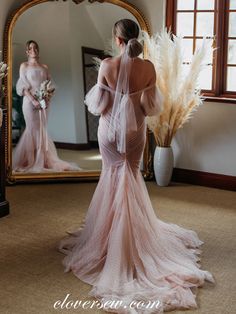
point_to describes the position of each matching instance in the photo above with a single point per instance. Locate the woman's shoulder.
(24, 65)
(148, 63)
(150, 68)
(45, 66)
(109, 61)
(109, 64)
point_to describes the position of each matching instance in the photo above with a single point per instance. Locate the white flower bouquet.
(3, 69)
(3, 73)
(44, 93)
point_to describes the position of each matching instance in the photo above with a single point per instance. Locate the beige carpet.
(31, 273)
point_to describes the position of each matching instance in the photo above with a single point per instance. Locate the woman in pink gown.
(123, 250)
(35, 151)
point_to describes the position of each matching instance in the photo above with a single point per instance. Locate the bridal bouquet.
(3, 73)
(44, 93)
(181, 93)
(3, 69)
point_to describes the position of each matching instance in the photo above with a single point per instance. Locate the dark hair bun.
(134, 48)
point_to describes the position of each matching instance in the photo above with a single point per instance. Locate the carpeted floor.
(31, 273)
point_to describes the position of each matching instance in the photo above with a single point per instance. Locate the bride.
(35, 151)
(123, 250)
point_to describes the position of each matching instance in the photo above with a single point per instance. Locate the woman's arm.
(23, 86)
(47, 71)
(103, 69)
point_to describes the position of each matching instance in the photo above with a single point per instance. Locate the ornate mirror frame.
(8, 53)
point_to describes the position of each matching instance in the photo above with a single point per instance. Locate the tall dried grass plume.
(181, 93)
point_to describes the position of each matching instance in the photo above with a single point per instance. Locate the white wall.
(82, 33)
(208, 142)
(104, 25)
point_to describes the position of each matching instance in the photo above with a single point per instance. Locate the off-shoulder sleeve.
(22, 82)
(151, 101)
(97, 99)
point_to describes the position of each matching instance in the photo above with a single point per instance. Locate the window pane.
(231, 82)
(205, 24)
(232, 5)
(187, 49)
(205, 4)
(232, 24)
(209, 57)
(232, 52)
(185, 24)
(185, 5)
(205, 78)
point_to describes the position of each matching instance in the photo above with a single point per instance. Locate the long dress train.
(124, 251)
(35, 151)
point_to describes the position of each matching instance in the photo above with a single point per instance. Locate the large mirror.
(69, 34)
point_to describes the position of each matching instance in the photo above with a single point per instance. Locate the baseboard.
(93, 144)
(4, 208)
(213, 180)
(72, 146)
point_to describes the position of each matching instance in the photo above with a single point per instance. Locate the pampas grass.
(181, 94)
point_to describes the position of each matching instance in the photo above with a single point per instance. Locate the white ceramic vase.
(163, 165)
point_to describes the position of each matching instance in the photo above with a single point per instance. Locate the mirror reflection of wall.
(61, 30)
(90, 73)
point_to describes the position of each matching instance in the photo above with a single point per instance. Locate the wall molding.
(214, 180)
(72, 146)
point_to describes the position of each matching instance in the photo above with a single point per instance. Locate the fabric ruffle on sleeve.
(152, 101)
(22, 84)
(97, 99)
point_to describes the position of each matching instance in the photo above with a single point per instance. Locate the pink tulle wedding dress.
(123, 250)
(35, 151)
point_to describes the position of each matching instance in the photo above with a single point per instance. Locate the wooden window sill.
(220, 99)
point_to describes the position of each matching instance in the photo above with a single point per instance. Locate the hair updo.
(128, 30)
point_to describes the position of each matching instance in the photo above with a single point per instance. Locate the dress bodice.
(147, 101)
(36, 75)
(30, 78)
(138, 92)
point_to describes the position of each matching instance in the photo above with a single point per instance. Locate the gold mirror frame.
(68, 175)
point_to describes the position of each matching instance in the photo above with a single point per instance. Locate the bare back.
(142, 73)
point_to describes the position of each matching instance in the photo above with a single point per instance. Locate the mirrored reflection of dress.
(124, 251)
(35, 151)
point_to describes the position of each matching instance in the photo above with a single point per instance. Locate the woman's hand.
(36, 104)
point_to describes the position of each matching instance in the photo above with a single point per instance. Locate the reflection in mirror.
(35, 151)
(68, 36)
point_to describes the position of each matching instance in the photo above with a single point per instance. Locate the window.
(216, 20)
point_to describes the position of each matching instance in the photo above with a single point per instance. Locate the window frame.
(220, 56)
